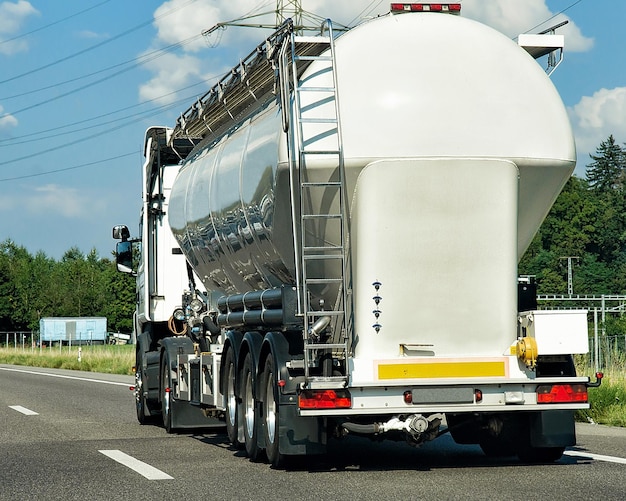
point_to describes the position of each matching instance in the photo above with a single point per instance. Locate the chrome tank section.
(410, 86)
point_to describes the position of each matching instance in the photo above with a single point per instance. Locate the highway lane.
(56, 454)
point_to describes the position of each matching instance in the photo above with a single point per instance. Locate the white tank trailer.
(353, 208)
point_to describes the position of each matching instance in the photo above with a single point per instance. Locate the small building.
(73, 330)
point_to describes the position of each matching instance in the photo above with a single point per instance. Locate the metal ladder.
(322, 206)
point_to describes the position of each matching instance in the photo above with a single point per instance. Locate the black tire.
(230, 398)
(528, 454)
(270, 414)
(248, 410)
(166, 385)
(140, 399)
(497, 447)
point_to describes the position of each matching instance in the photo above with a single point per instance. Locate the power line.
(136, 62)
(58, 21)
(76, 141)
(73, 91)
(88, 164)
(100, 44)
(39, 135)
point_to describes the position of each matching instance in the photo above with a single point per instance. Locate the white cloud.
(596, 117)
(179, 20)
(6, 120)
(515, 17)
(171, 72)
(54, 199)
(12, 16)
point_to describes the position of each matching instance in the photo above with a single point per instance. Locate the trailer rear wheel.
(497, 447)
(528, 454)
(248, 408)
(270, 414)
(230, 397)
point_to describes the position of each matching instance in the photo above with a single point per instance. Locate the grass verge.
(108, 359)
(607, 402)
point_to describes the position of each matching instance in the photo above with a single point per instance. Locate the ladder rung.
(320, 216)
(333, 313)
(313, 58)
(321, 281)
(311, 39)
(315, 89)
(321, 257)
(322, 248)
(317, 120)
(322, 184)
(325, 346)
(320, 152)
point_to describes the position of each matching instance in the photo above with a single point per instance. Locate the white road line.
(150, 472)
(23, 410)
(597, 457)
(64, 377)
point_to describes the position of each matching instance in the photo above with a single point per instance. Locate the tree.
(607, 170)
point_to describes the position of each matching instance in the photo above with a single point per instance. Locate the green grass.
(607, 402)
(114, 359)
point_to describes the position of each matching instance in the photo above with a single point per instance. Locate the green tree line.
(77, 285)
(586, 223)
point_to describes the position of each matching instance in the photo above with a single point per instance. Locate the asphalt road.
(84, 443)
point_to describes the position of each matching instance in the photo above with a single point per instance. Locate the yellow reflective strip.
(442, 370)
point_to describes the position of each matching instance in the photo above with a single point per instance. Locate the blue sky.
(81, 81)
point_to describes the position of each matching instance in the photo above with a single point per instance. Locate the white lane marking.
(23, 410)
(150, 472)
(597, 457)
(64, 377)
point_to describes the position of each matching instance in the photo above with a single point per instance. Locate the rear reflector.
(452, 8)
(561, 393)
(324, 399)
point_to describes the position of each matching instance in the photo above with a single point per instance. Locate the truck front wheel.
(166, 385)
(140, 399)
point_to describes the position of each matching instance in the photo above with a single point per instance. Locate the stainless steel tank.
(414, 86)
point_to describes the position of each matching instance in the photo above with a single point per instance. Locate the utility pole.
(286, 9)
(570, 275)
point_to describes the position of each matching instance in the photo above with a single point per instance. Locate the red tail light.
(561, 393)
(325, 399)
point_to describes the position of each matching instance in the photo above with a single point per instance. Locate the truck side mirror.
(121, 232)
(124, 257)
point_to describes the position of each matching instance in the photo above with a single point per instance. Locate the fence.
(30, 340)
(608, 352)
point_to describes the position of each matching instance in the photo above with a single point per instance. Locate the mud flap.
(186, 416)
(300, 435)
(552, 429)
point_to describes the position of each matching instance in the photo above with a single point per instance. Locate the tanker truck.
(330, 239)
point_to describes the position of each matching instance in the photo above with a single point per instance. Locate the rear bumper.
(458, 396)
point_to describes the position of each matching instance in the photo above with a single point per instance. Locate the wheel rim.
(138, 387)
(166, 393)
(249, 405)
(231, 400)
(270, 409)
